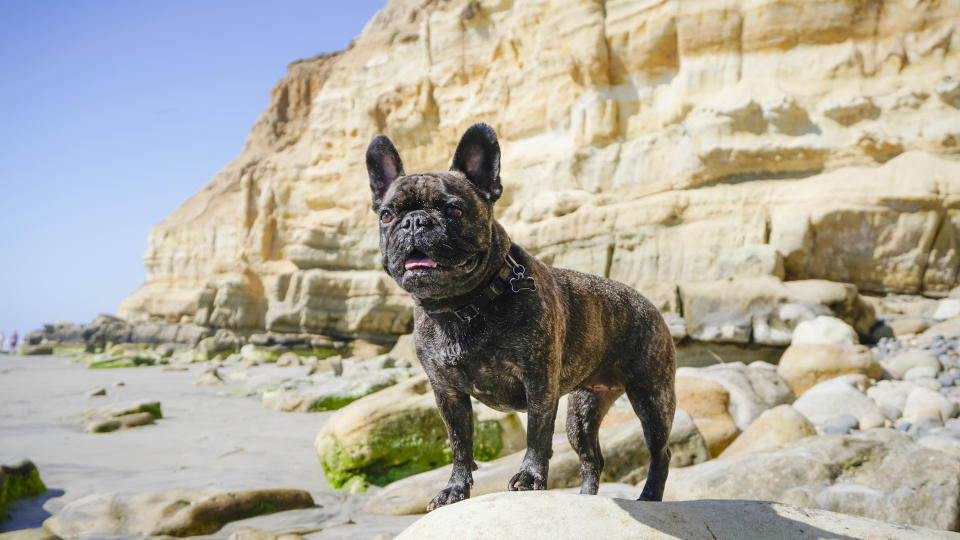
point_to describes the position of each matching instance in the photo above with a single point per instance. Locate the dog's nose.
(417, 219)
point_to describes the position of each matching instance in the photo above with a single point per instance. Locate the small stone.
(870, 421)
(922, 426)
(953, 425)
(923, 402)
(830, 429)
(946, 379)
(210, 377)
(119, 383)
(920, 372)
(106, 425)
(825, 329)
(845, 420)
(97, 392)
(288, 359)
(897, 366)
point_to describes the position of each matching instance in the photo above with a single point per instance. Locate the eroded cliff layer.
(654, 142)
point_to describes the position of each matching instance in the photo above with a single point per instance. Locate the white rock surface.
(552, 515)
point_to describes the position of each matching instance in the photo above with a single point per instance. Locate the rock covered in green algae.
(114, 417)
(19, 482)
(398, 432)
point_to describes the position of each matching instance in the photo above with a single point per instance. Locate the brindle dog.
(493, 322)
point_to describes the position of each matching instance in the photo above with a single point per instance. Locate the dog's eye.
(454, 212)
(386, 216)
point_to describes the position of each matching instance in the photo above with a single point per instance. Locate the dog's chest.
(481, 369)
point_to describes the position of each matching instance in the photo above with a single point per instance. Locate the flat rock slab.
(553, 515)
(170, 513)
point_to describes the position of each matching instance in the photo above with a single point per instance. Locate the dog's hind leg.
(586, 408)
(650, 387)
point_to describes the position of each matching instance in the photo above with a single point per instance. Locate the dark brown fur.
(577, 334)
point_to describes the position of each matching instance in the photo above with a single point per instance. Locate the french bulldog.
(493, 322)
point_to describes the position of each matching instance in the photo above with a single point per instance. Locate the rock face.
(873, 474)
(169, 513)
(829, 126)
(535, 515)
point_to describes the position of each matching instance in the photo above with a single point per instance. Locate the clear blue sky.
(112, 113)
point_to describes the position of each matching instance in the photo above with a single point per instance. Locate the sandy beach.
(207, 438)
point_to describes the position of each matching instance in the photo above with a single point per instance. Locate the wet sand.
(206, 439)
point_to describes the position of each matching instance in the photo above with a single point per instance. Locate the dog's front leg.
(542, 401)
(457, 414)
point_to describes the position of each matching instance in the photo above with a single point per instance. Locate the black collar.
(499, 284)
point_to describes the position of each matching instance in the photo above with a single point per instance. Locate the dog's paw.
(449, 495)
(651, 496)
(526, 481)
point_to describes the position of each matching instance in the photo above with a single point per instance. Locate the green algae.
(408, 445)
(16, 483)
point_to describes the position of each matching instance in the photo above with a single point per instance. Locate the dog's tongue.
(419, 263)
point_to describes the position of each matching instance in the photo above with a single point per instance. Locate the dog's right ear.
(383, 167)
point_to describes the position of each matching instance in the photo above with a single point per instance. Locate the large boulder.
(708, 403)
(804, 365)
(398, 432)
(766, 311)
(752, 389)
(550, 514)
(880, 473)
(176, 512)
(774, 428)
(825, 329)
(625, 453)
(839, 396)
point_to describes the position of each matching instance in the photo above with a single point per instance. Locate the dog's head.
(435, 228)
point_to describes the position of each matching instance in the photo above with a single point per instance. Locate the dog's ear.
(383, 167)
(478, 157)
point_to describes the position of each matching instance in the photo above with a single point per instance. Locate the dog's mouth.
(418, 261)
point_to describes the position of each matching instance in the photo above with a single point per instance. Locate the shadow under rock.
(29, 513)
(735, 519)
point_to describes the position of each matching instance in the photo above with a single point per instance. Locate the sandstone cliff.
(655, 142)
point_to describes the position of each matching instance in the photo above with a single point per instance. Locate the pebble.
(119, 383)
(946, 379)
(97, 392)
(953, 425)
(870, 421)
(847, 421)
(920, 372)
(922, 427)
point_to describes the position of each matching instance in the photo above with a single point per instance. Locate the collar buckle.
(467, 312)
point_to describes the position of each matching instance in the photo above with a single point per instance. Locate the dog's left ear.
(478, 157)
(383, 167)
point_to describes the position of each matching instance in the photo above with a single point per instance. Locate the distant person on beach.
(13, 342)
(1, 341)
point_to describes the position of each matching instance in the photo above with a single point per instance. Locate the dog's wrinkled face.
(435, 228)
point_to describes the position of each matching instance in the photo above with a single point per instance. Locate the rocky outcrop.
(681, 142)
(873, 474)
(535, 515)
